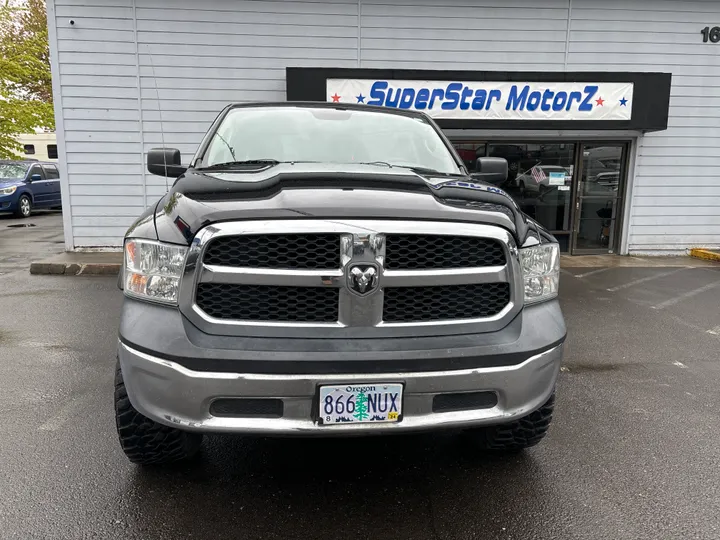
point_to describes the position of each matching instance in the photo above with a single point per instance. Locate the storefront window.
(540, 179)
(543, 180)
(469, 152)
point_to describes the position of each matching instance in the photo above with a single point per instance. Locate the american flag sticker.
(538, 174)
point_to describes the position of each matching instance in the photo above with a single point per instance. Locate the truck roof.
(329, 105)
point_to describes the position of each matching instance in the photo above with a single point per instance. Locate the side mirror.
(165, 162)
(493, 170)
(35, 178)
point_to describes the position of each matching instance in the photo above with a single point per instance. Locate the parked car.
(536, 180)
(25, 185)
(331, 270)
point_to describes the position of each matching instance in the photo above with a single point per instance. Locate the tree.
(25, 81)
(361, 410)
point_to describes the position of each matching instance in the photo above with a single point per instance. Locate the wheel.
(517, 435)
(144, 441)
(24, 208)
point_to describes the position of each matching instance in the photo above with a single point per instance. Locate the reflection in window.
(469, 152)
(601, 167)
(540, 179)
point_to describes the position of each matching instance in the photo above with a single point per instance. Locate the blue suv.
(25, 185)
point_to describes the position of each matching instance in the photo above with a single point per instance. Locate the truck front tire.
(144, 441)
(518, 435)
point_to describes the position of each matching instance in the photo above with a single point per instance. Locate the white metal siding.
(676, 191)
(121, 55)
(508, 35)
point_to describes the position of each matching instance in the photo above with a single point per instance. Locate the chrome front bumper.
(176, 396)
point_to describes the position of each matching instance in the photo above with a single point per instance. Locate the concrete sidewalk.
(76, 263)
(73, 263)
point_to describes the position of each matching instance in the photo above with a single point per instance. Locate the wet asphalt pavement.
(25, 240)
(632, 452)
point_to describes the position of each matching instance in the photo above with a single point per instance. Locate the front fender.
(142, 227)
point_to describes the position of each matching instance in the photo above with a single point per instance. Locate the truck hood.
(330, 191)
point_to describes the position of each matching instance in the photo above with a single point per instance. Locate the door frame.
(54, 196)
(616, 231)
(40, 190)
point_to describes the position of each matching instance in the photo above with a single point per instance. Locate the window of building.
(29, 149)
(52, 151)
(573, 189)
(469, 152)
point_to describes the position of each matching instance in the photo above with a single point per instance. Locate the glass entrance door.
(598, 204)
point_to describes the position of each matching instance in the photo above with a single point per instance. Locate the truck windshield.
(296, 134)
(12, 170)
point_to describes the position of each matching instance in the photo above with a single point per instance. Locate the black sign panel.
(651, 94)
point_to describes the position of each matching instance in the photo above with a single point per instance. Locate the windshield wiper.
(374, 163)
(417, 169)
(232, 150)
(239, 164)
(426, 170)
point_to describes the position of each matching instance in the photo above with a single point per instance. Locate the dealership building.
(608, 113)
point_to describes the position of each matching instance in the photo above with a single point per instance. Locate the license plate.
(360, 403)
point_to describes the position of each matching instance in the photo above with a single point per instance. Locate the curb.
(705, 254)
(74, 269)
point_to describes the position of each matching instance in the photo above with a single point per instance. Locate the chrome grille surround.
(362, 242)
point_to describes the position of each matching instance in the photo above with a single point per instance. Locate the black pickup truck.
(324, 270)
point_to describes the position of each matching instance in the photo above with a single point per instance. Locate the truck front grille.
(350, 278)
(287, 251)
(270, 304)
(420, 251)
(444, 302)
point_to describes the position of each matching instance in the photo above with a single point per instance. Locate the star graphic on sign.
(623, 102)
(335, 98)
(600, 101)
(360, 98)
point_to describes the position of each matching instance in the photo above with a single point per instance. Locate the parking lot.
(25, 240)
(632, 452)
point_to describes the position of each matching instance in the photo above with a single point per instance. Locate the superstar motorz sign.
(491, 100)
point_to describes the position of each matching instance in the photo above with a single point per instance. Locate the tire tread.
(518, 435)
(145, 441)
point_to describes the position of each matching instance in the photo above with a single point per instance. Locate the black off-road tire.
(517, 435)
(144, 441)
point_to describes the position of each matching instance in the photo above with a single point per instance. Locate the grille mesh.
(282, 251)
(437, 303)
(420, 251)
(268, 303)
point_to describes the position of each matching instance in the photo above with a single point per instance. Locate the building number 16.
(712, 34)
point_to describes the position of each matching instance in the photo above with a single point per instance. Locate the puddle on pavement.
(18, 225)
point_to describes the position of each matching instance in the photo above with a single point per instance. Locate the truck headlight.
(8, 190)
(153, 270)
(541, 272)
